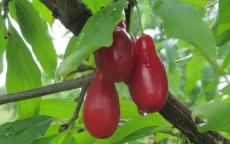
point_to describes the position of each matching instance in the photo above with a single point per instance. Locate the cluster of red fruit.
(138, 65)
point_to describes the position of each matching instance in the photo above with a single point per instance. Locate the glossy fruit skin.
(148, 86)
(117, 61)
(101, 112)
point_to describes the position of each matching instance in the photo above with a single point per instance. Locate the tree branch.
(179, 115)
(72, 13)
(43, 91)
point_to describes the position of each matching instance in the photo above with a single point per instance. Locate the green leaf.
(139, 134)
(43, 10)
(222, 24)
(96, 33)
(223, 38)
(223, 16)
(8, 140)
(226, 90)
(226, 62)
(171, 54)
(35, 31)
(128, 108)
(209, 82)
(44, 140)
(25, 131)
(134, 126)
(174, 79)
(2, 41)
(198, 3)
(173, 72)
(193, 71)
(216, 116)
(147, 17)
(84, 138)
(64, 138)
(96, 5)
(54, 107)
(71, 47)
(53, 129)
(35, 131)
(22, 73)
(224, 12)
(183, 21)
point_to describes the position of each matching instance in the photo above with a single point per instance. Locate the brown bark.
(72, 13)
(179, 115)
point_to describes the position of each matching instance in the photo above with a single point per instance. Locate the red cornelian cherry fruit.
(148, 85)
(101, 110)
(117, 61)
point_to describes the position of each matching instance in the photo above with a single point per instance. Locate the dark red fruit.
(148, 85)
(121, 24)
(117, 61)
(101, 110)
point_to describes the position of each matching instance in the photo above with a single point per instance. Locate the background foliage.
(192, 37)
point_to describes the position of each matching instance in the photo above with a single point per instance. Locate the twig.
(80, 101)
(5, 8)
(81, 68)
(128, 12)
(84, 67)
(46, 90)
(75, 115)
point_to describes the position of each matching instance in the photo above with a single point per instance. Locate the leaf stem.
(130, 23)
(75, 115)
(139, 18)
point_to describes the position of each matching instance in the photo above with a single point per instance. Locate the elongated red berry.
(101, 111)
(117, 61)
(148, 85)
